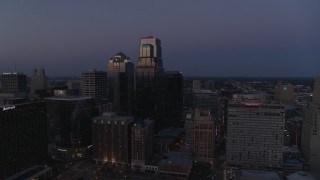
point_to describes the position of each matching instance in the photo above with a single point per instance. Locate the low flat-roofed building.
(301, 175)
(248, 174)
(176, 165)
(293, 165)
(33, 173)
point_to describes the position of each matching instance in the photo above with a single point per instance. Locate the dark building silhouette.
(23, 136)
(173, 98)
(69, 122)
(142, 138)
(111, 138)
(38, 80)
(12, 82)
(150, 81)
(94, 84)
(121, 83)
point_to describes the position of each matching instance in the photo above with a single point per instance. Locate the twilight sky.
(203, 38)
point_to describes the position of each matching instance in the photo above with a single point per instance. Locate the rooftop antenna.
(15, 67)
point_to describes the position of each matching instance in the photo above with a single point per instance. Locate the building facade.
(69, 122)
(284, 93)
(111, 138)
(12, 82)
(38, 80)
(255, 133)
(150, 81)
(121, 83)
(142, 133)
(173, 98)
(310, 140)
(204, 135)
(23, 136)
(94, 84)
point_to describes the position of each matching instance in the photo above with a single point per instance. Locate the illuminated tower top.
(150, 47)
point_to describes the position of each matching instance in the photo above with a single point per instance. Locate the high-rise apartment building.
(173, 98)
(69, 122)
(111, 138)
(310, 141)
(150, 81)
(94, 84)
(12, 82)
(204, 135)
(142, 133)
(23, 136)
(121, 83)
(255, 133)
(38, 80)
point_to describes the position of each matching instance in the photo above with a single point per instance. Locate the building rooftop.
(170, 132)
(68, 98)
(113, 117)
(142, 122)
(177, 159)
(301, 175)
(258, 174)
(29, 173)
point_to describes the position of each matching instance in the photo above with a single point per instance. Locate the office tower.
(38, 80)
(150, 81)
(310, 141)
(209, 85)
(196, 85)
(23, 136)
(206, 99)
(173, 98)
(284, 93)
(12, 82)
(204, 135)
(121, 83)
(111, 138)
(142, 133)
(94, 84)
(69, 120)
(255, 133)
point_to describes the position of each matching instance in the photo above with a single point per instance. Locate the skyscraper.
(23, 136)
(255, 133)
(310, 141)
(121, 83)
(94, 84)
(69, 122)
(38, 80)
(150, 81)
(173, 98)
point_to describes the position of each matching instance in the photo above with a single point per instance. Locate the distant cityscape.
(138, 121)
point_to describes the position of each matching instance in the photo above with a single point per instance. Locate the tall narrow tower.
(38, 80)
(121, 83)
(310, 140)
(150, 81)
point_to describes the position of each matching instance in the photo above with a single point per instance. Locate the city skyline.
(247, 38)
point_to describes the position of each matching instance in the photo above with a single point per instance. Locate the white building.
(255, 133)
(310, 140)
